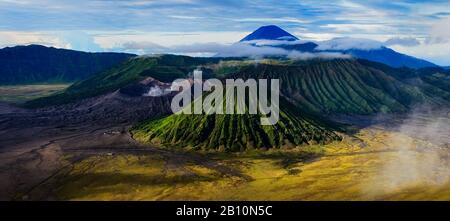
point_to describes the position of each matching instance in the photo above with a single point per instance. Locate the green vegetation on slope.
(34, 64)
(235, 132)
(432, 81)
(21, 93)
(438, 79)
(339, 86)
(98, 84)
(315, 86)
(322, 86)
(165, 68)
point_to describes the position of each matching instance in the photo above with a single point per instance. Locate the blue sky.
(418, 28)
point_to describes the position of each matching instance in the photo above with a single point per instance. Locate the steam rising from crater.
(157, 91)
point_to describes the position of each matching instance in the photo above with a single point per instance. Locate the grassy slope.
(19, 94)
(325, 86)
(339, 86)
(434, 82)
(165, 68)
(234, 132)
(98, 84)
(438, 79)
(336, 86)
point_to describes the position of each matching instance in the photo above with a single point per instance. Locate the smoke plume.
(420, 154)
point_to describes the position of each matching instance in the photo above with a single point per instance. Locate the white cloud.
(437, 53)
(322, 55)
(183, 17)
(316, 36)
(435, 47)
(233, 50)
(361, 11)
(144, 47)
(274, 42)
(13, 38)
(271, 20)
(348, 43)
(439, 32)
(402, 41)
(157, 91)
(352, 28)
(111, 40)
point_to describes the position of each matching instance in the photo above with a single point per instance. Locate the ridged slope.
(236, 132)
(165, 68)
(338, 86)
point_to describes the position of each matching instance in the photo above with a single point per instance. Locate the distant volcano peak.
(270, 32)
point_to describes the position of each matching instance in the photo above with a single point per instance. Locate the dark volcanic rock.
(109, 109)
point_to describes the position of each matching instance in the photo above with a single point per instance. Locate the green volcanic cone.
(236, 132)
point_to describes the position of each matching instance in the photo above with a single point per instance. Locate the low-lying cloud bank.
(322, 55)
(408, 42)
(260, 48)
(348, 43)
(233, 50)
(364, 44)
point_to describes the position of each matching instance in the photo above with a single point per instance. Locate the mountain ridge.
(28, 64)
(269, 32)
(381, 54)
(237, 132)
(320, 85)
